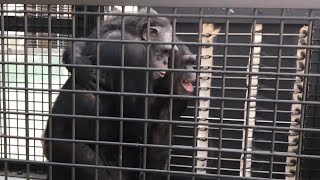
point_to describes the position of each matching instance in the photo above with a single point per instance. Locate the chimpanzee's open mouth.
(187, 85)
(161, 73)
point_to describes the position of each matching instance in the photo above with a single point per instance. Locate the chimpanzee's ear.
(154, 32)
(189, 59)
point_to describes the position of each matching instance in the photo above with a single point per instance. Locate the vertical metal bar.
(33, 92)
(50, 91)
(305, 80)
(311, 116)
(275, 109)
(196, 103)
(245, 169)
(17, 99)
(4, 98)
(174, 24)
(305, 89)
(1, 91)
(226, 40)
(42, 48)
(146, 99)
(16, 91)
(122, 90)
(98, 96)
(73, 75)
(26, 92)
(85, 21)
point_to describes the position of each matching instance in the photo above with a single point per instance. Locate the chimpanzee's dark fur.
(159, 132)
(135, 55)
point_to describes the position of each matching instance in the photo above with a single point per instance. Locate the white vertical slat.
(252, 105)
(296, 108)
(205, 83)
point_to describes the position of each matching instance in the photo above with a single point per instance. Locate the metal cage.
(254, 112)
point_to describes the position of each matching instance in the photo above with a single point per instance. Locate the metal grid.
(254, 115)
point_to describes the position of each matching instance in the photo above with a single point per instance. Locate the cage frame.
(310, 4)
(202, 3)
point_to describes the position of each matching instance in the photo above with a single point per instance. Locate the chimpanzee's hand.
(87, 78)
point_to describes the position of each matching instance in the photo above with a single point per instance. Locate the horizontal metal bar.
(178, 15)
(169, 122)
(59, 50)
(187, 174)
(239, 34)
(231, 150)
(168, 96)
(309, 4)
(273, 172)
(267, 162)
(167, 70)
(208, 168)
(163, 43)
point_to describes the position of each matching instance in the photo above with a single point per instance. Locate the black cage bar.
(312, 4)
(253, 113)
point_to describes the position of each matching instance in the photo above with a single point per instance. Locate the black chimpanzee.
(159, 132)
(135, 55)
(135, 29)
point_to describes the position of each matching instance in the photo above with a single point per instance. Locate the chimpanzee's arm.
(84, 76)
(62, 152)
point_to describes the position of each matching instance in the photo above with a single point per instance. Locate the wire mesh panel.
(100, 91)
(309, 169)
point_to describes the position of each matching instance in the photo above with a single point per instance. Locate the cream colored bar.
(204, 91)
(291, 162)
(245, 168)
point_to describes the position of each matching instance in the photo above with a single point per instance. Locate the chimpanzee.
(182, 85)
(79, 103)
(135, 29)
